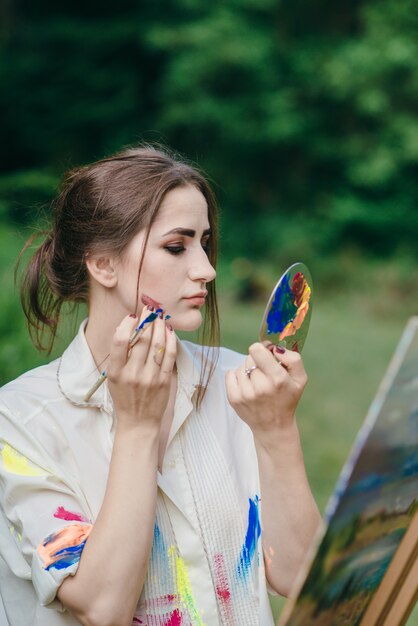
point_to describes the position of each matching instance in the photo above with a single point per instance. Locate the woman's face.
(175, 266)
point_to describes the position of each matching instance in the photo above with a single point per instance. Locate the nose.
(201, 268)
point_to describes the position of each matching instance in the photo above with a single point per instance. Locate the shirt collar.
(77, 372)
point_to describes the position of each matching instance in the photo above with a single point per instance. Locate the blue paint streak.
(283, 309)
(160, 561)
(68, 556)
(251, 538)
(151, 317)
(158, 544)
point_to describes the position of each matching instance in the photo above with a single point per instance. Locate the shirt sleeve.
(43, 515)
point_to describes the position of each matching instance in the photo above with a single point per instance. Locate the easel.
(398, 592)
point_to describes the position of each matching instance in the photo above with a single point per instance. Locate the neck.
(101, 326)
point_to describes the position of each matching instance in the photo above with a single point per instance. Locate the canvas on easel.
(362, 570)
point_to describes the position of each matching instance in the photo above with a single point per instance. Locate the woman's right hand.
(139, 378)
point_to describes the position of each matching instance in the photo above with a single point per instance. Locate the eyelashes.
(175, 250)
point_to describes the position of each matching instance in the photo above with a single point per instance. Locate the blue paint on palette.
(67, 556)
(283, 309)
(251, 538)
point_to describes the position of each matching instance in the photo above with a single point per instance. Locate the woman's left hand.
(266, 389)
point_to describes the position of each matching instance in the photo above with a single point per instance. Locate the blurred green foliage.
(304, 113)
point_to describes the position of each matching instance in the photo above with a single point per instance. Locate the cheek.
(160, 279)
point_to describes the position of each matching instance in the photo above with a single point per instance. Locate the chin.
(190, 322)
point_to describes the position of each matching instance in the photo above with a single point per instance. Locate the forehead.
(182, 207)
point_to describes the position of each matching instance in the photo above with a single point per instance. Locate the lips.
(201, 294)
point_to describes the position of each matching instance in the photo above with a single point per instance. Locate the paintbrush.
(132, 341)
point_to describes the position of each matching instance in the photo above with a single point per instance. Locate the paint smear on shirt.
(222, 588)
(183, 586)
(161, 601)
(16, 463)
(62, 513)
(251, 538)
(161, 564)
(63, 548)
(175, 619)
(158, 543)
(166, 606)
(15, 533)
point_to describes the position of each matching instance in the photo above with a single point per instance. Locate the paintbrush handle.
(95, 387)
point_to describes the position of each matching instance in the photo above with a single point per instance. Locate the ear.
(102, 269)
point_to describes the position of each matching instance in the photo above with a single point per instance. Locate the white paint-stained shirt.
(206, 565)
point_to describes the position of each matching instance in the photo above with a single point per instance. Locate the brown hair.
(101, 207)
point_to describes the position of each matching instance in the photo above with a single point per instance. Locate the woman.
(143, 503)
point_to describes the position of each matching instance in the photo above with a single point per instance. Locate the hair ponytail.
(40, 304)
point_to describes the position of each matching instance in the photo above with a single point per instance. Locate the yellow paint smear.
(15, 533)
(16, 463)
(183, 586)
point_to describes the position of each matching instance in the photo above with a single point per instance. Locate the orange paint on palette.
(302, 294)
(63, 548)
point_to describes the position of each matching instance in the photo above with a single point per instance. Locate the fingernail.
(158, 310)
(132, 315)
(168, 317)
(150, 307)
(170, 328)
(160, 315)
(279, 349)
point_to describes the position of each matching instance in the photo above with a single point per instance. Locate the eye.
(206, 244)
(174, 249)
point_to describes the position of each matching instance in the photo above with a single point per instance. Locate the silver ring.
(249, 370)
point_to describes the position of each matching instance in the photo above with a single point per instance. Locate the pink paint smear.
(222, 587)
(174, 619)
(62, 513)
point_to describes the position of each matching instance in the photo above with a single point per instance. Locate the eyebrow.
(187, 232)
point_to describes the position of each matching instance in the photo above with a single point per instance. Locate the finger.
(120, 344)
(293, 363)
(170, 352)
(148, 316)
(265, 361)
(156, 345)
(247, 371)
(232, 387)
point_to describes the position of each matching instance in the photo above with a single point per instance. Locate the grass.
(354, 331)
